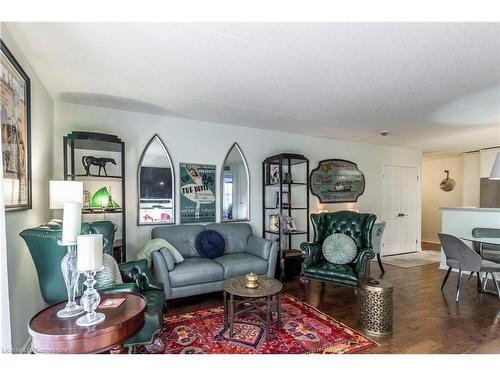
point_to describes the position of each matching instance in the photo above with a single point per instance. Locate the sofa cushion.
(329, 271)
(210, 244)
(195, 271)
(235, 235)
(182, 237)
(239, 264)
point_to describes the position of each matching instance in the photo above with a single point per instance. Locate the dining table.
(481, 241)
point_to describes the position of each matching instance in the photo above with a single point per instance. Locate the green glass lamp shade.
(101, 199)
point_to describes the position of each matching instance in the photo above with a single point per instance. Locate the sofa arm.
(120, 288)
(160, 271)
(313, 253)
(362, 259)
(137, 271)
(259, 247)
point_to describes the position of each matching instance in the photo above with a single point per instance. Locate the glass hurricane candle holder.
(90, 301)
(70, 274)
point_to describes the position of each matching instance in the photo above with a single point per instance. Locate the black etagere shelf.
(286, 175)
(78, 144)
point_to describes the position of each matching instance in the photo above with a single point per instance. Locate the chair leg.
(485, 282)
(379, 260)
(302, 283)
(458, 285)
(446, 277)
(496, 283)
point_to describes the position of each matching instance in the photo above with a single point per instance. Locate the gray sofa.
(196, 275)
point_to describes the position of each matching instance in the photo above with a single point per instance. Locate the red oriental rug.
(304, 329)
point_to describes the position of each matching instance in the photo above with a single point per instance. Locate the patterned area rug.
(304, 329)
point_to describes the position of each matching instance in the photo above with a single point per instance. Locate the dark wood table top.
(55, 335)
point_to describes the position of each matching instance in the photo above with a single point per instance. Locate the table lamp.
(90, 260)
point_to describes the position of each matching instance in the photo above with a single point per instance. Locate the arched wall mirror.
(235, 186)
(156, 184)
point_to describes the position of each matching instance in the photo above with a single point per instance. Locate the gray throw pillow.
(169, 258)
(339, 248)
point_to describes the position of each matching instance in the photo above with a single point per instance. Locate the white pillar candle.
(89, 253)
(72, 222)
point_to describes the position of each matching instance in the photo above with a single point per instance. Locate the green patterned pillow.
(339, 248)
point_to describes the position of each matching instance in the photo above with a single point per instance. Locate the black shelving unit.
(297, 187)
(78, 144)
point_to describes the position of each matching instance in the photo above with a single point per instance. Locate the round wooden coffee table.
(55, 335)
(267, 294)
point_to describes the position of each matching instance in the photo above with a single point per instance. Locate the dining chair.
(462, 257)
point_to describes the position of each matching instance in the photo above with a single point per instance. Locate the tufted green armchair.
(316, 267)
(136, 276)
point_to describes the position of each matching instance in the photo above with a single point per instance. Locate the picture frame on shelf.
(15, 96)
(289, 225)
(274, 174)
(274, 223)
(285, 199)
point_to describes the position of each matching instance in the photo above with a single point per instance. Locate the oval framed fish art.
(337, 181)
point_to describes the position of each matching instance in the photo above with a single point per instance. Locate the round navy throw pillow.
(210, 244)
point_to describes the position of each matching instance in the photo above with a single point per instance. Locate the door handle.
(401, 214)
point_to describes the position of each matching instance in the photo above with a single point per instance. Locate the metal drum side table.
(375, 306)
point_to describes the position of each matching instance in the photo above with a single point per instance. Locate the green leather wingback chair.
(47, 256)
(316, 267)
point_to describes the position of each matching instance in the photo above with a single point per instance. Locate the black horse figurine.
(87, 161)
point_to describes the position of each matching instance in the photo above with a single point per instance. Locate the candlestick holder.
(70, 274)
(90, 300)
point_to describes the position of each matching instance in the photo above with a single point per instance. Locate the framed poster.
(197, 193)
(335, 181)
(15, 129)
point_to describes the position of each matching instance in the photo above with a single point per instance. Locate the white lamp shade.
(495, 171)
(65, 191)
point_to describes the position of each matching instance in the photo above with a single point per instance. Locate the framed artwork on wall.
(336, 181)
(15, 119)
(197, 192)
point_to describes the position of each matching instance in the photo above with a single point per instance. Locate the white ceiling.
(434, 86)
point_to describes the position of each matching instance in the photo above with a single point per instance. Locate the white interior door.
(399, 209)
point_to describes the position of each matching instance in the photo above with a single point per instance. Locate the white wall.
(433, 197)
(202, 142)
(25, 297)
(472, 180)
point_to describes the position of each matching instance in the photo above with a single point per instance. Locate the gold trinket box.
(251, 280)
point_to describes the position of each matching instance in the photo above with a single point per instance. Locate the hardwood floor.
(426, 319)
